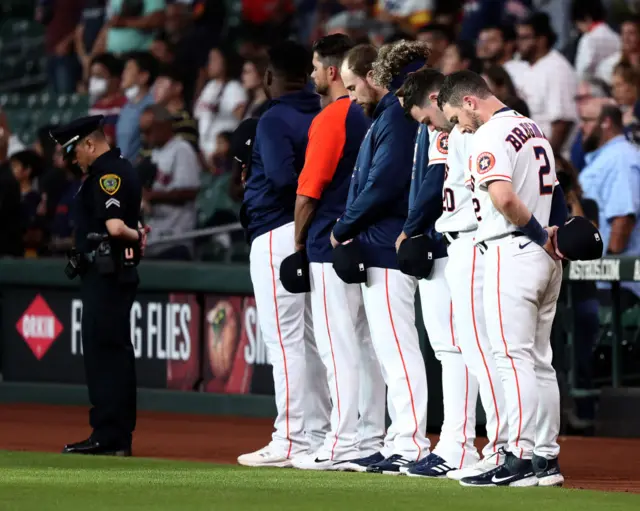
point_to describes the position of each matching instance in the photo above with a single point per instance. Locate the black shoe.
(390, 465)
(547, 471)
(360, 464)
(514, 472)
(93, 447)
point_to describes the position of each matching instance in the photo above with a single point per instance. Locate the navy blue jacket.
(276, 161)
(425, 195)
(379, 193)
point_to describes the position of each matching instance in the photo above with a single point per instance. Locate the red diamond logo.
(39, 327)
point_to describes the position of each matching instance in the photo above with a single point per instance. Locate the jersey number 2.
(545, 169)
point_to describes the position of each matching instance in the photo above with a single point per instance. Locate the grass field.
(34, 481)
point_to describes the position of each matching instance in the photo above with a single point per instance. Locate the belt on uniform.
(451, 236)
(482, 246)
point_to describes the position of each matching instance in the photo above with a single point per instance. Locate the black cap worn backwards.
(70, 134)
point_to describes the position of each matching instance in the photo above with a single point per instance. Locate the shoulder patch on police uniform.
(110, 183)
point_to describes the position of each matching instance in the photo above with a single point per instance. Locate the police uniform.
(111, 190)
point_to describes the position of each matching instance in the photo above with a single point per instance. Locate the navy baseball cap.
(242, 140)
(294, 273)
(349, 263)
(70, 134)
(579, 240)
(416, 256)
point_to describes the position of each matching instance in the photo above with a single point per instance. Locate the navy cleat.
(359, 464)
(389, 466)
(547, 471)
(431, 466)
(514, 472)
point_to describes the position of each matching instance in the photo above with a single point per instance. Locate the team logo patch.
(485, 162)
(442, 143)
(110, 183)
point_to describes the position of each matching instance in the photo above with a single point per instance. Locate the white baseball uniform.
(302, 401)
(459, 387)
(465, 276)
(521, 283)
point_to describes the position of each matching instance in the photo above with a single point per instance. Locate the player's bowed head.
(466, 101)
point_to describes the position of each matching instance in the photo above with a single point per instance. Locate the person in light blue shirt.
(140, 71)
(132, 24)
(612, 178)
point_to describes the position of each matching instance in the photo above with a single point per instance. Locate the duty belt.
(482, 246)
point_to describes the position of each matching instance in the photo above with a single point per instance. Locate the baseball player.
(268, 214)
(455, 448)
(459, 275)
(375, 213)
(338, 311)
(513, 173)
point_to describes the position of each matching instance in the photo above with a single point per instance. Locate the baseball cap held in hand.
(416, 256)
(348, 262)
(294, 273)
(579, 240)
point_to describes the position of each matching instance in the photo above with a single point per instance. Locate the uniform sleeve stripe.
(495, 177)
(437, 160)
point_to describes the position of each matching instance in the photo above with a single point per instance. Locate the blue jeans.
(63, 72)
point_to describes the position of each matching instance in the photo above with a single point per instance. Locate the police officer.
(109, 241)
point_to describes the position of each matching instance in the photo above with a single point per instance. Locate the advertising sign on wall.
(42, 338)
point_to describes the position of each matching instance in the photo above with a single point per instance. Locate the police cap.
(416, 256)
(70, 134)
(579, 240)
(294, 273)
(349, 264)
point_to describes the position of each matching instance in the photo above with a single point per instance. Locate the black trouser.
(109, 360)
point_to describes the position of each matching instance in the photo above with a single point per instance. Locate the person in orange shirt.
(340, 325)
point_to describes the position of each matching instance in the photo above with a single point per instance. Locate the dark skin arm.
(621, 229)
(152, 21)
(559, 133)
(304, 212)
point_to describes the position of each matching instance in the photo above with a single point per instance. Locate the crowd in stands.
(175, 78)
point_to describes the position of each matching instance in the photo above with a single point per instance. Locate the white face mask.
(132, 92)
(97, 86)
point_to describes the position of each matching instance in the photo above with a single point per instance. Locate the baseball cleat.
(359, 464)
(431, 466)
(264, 458)
(313, 462)
(547, 471)
(389, 466)
(482, 466)
(514, 472)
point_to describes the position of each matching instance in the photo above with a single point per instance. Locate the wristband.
(535, 232)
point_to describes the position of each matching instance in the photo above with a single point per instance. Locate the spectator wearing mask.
(598, 40)
(60, 18)
(168, 92)
(612, 179)
(253, 82)
(11, 244)
(170, 203)
(438, 37)
(139, 73)
(496, 46)
(222, 103)
(87, 32)
(625, 85)
(499, 81)
(629, 53)
(131, 25)
(460, 56)
(105, 93)
(551, 101)
(587, 90)
(26, 167)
